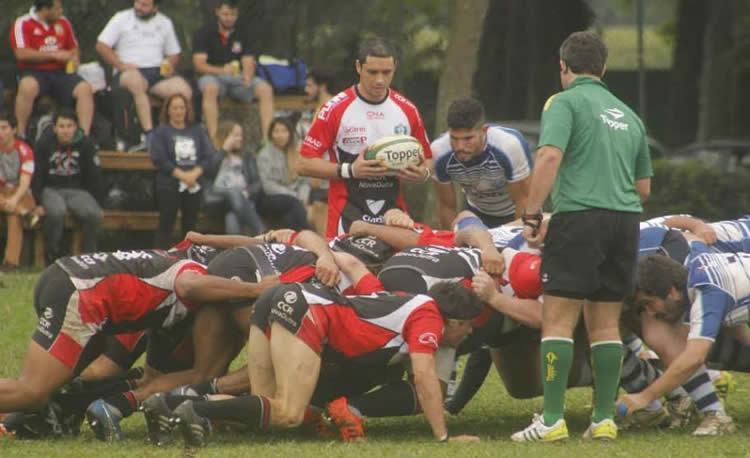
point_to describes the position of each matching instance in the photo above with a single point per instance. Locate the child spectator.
(16, 170)
(181, 153)
(237, 184)
(285, 193)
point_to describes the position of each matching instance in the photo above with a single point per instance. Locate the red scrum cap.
(524, 275)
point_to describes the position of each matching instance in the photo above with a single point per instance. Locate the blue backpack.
(285, 76)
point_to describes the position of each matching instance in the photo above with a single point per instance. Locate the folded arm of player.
(475, 236)
(526, 311)
(694, 225)
(223, 241)
(397, 237)
(326, 268)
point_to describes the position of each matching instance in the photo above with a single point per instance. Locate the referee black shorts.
(591, 254)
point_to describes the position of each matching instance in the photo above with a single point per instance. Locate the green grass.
(493, 415)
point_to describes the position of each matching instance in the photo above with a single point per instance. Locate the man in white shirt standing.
(141, 45)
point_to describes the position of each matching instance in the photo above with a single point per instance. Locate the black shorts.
(490, 220)
(171, 349)
(591, 254)
(235, 264)
(286, 305)
(56, 84)
(403, 279)
(319, 195)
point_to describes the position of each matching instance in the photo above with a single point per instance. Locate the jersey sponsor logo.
(351, 130)
(400, 129)
(290, 297)
(325, 111)
(610, 119)
(313, 142)
(375, 206)
(361, 140)
(429, 339)
(373, 219)
(375, 115)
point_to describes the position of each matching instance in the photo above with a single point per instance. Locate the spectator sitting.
(67, 179)
(181, 153)
(16, 170)
(141, 45)
(237, 184)
(46, 49)
(224, 58)
(284, 192)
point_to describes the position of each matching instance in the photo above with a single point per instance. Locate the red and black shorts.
(286, 305)
(60, 329)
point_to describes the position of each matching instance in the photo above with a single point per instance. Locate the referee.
(594, 159)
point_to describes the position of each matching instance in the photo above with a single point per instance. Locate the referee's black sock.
(477, 367)
(253, 411)
(391, 400)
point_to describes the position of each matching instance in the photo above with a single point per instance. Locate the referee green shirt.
(604, 148)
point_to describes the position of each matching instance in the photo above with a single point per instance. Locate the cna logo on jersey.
(611, 117)
(373, 115)
(429, 339)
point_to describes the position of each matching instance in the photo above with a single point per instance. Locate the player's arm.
(643, 187)
(224, 241)
(694, 225)
(199, 288)
(519, 192)
(201, 65)
(474, 236)
(326, 268)
(397, 237)
(525, 311)
(446, 200)
(352, 267)
(429, 392)
(317, 168)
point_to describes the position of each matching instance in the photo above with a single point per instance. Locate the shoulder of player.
(66, 22)
(23, 147)
(337, 105)
(441, 146)
(401, 101)
(505, 139)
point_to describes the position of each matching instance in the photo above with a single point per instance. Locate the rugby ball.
(396, 152)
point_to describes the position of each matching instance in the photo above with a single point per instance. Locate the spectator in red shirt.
(46, 49)
(16, 169)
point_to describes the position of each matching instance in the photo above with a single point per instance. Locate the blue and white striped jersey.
(718, 290)
(506, 159)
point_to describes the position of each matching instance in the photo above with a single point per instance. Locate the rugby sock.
(702, 390)
(391, 400)
(78, 398)
(253, 411)
(556, 359)
(124, 402)
(477, 367)
(173, 400)
(637, 373)
(606, 362)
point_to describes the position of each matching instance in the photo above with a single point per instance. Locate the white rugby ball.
(396, 152)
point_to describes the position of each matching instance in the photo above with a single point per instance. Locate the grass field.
(493, 415)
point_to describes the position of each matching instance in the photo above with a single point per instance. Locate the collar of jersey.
(581, 80)
(370, 102)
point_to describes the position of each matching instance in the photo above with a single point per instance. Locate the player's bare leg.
(41, 375)
(260, 365)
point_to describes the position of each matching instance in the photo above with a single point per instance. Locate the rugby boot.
(682, 410)
(537, 431)
(351, 427)
(715, 424)
(104, 419)
(158, 416)
(646, 419)
(603, 430)
(194, 428)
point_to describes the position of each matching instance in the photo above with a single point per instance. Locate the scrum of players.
(367, 325)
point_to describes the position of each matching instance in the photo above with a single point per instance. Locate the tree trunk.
(461, 56)
(682, 122)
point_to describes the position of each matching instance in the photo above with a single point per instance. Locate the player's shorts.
(286, 305)
(56, 84)
(171, 349)
(235, 265)
(591, 254)
(231, 85)
(125, 349)
(60, 329)
(490, 220)
(403, 279)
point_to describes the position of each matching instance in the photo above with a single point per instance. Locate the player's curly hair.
(455, 301)
(657, 274)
